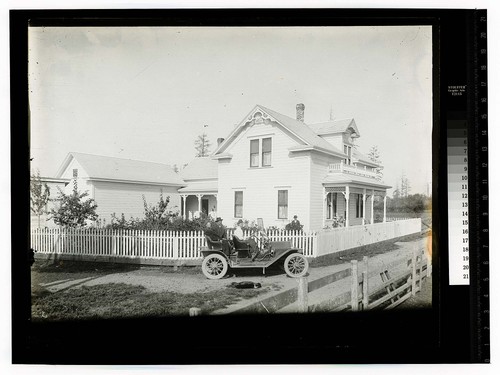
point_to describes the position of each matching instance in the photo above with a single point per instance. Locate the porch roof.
(207, 187)
(344, 179)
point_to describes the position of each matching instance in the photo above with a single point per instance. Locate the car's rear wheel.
(296, 265)
(214, 266)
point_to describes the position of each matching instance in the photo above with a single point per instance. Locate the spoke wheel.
(214, 266)
(296, 265)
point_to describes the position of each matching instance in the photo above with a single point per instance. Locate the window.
(266, 152)
(359, 205)
(348, 152)
(331, 205)
(282, 204)
(254, 153)
(238, 204)
(75, 173)
(257, 147)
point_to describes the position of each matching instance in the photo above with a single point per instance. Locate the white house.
(118, 185)
(270, 166)
(273, 167)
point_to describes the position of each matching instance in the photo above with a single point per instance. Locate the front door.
(204, 206)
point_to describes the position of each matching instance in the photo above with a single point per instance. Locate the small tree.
(40, 195)
(74, 210)
(374, 156)
(202, 145)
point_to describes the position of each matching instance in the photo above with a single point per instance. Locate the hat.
(218, 219)
(239, 222)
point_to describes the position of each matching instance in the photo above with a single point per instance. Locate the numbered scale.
(458, 203)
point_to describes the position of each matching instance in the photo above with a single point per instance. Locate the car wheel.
(214, 266)
(296, 265)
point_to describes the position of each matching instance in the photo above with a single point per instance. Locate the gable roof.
(125, 170)
(200, 168)
(335, 127)
(310, 139)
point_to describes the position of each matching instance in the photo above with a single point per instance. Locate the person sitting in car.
(238, 233)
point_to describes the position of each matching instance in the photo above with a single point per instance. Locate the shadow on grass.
(64, 266)
(114, 301)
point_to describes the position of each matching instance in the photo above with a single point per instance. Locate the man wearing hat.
(220, 229)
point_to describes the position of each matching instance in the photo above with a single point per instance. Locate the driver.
(238, 233)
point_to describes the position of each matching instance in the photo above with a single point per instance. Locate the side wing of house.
(259, 177)
(127, 198)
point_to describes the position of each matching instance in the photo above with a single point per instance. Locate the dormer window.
(348, 152)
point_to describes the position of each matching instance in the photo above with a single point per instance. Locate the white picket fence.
(338, 239)
(176, 245)
(147, 244)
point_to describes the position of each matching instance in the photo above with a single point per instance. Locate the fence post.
(414, 272)
(365, 283)
(428, 265)
(194, 311)
(302, 296)
(354, 286)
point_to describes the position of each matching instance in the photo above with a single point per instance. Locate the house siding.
(319, 170)
(288, 171)
(126, 198)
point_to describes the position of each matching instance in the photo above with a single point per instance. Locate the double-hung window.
(266, 152)
(254, 153)
(359, 205)
(348, 152)
(238, 204)
(331, 205)
(260, 152)
(282, 204)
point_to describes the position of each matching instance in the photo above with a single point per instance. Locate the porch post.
(346, 195)
(385, 208)
(199, 202)
(184, 196)
(371, 212)
(216, 204)
(324, 206)
(364, 206)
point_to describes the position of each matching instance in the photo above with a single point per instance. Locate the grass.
(112, 301)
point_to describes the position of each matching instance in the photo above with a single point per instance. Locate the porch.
(349, 193)
(197, 198)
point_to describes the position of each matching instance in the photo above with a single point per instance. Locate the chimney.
(219, 141)
(300, 111)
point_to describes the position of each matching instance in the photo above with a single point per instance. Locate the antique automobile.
(220, 256)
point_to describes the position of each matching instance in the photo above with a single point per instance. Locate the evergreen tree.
(202, 145)
(374, 156)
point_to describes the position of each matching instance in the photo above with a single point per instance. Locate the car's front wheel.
(296, 265)
(214, 266)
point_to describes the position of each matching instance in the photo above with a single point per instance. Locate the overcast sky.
(146, 93)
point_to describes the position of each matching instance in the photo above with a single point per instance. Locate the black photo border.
(447, 333)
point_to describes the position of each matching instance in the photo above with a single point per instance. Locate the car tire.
(296, 265)
(214, 266)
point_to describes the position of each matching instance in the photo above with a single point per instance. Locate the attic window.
(348, 152)
(75, 173)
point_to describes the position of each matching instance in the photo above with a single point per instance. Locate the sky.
(146, 93)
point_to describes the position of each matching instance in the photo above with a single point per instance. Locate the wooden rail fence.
(363, 286)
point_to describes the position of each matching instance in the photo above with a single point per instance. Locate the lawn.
(111, 301)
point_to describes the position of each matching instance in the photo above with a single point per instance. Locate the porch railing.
(351, 169)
